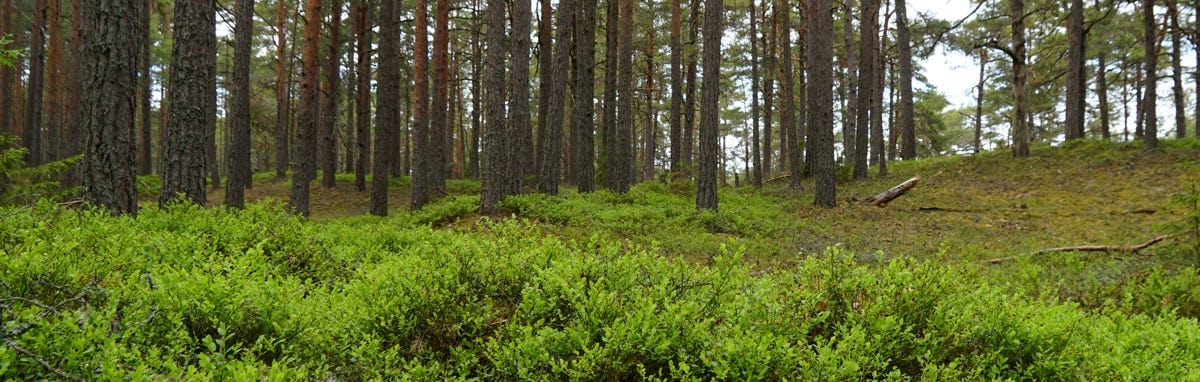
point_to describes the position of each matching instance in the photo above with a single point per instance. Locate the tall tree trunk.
(650, 130)
(851, 67)
(282, 95)
(32, 134)
(1020, 131)
(608, 118)
(439, 126)
(676, 116)
(820, 100)
(518, 139)
(878, 156)
(689, 95)
(1196, 47)
(145, 143)
(545, 83)
(306, 131)
(362, 102)
(239, 109)
(496, 165)
(329, 116)
(620, 175)
(706, 180)
(387, 114)
(73, 126)
(193, 65)
(755, 151)
(1177, 69)
(551, 166)
(422, 154)
(1102, 93)
(1138, 88)
(908, 130)
(868, 48)
(109, 162)
(583, 108)
(1151, 77)
(7, 72)
(768, 90)
(983, 59)
(787, 109)
(55, 86)
(1076, 81)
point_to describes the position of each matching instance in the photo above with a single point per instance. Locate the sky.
(951, 72)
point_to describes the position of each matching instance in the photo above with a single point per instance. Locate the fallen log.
(1087, 248)
(893, 193)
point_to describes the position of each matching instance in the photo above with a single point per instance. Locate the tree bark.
(787, 109)
(1076, 81)
(1177, 69)
(1150, 133)
(329, 114)
(689, 95)
(820, 101)
(362, 102)
(145, 143)
(878, 142)
(109, 162)
(583, 106)
(239, 109)
(983, 59)
(755, 150)
(497, 162)
(422, 172)
(545, 83)
(54, 84)
(1020, 127)
(676, 116)
(306, 131)
(192, 67)
(387, 114)
(768, 90)
(892, 193)
(849, 116)
(551, 166)
(706, 182)
(282, 95)
(650, 129)
(908, 130)
(621, 160)
(439, 123)
(7, 72)
(31, 136)
(1102, 94)
(868, 48)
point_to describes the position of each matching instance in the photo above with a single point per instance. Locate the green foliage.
(23, 185)
(8, 57)
(193, 293)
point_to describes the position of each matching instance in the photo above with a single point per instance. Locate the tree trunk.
(1102, 94)
(583, 108)
(983, 59)
(908, 130)
(706, 180)
(551, 166)
(1020, 127)
(192, 68)
(145, 143)
(387, 114)
(1150, 133)
(1076, 81)
(109, 161)
(868, 48)
(1196, 47)
(306, 131)
(329, 115)
(650, 130)
(755, 151)
(54, 84)
(849, 115)
(878, 156)
(477, 97)
(608, 118)
(362, 102)
(545, 83)
(621, 160)
(768, 90)
(32, 134)
(239, 109)
(1177, 69)
(676, 115)
(689, 95)
(73, 127)
(439, 126)
(7, 72)
(520, 116)
(820, 100)
(422, 174)
(282, 96)
(496, 165)
(787, 109)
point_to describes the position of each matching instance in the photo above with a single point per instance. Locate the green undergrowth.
(191, 293)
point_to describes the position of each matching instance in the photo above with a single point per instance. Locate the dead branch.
(1088, 248)
(893, 193)
(784, 176)
(61, 374)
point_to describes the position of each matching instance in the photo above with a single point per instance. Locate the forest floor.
(965, 207)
